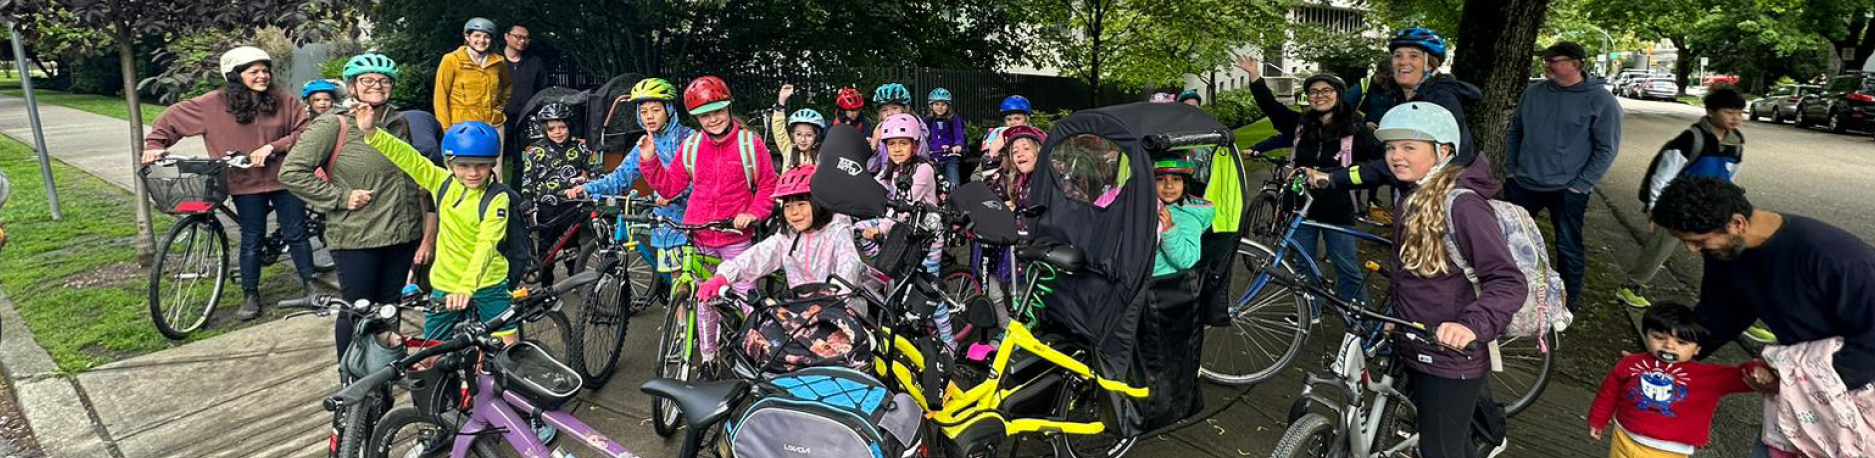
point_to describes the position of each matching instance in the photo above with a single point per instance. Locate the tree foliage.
(1194, 37)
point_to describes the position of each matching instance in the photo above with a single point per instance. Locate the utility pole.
(32, 115)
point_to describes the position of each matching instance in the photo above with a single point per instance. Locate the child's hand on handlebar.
(575, 192)
(709, 290)
(742, 220)
(457, 301)
(1316, 178)
(1454, 335)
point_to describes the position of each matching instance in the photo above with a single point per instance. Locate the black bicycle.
(376, 341)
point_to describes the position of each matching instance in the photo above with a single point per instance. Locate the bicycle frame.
(502, 415)
(1280, 253)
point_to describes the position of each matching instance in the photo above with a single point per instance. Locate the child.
(797, 135)
(1023, 146)
(907, 163)
(1423, 143)
(947, 135)
(1662, 400)
(1183, 218)
(851, 104)
(468, 270)
(657, 114)
(1016, 112)
(894, 99)
(731, 178)
(816, 246)
(1712, 147)
(553, 165)
(319, 95)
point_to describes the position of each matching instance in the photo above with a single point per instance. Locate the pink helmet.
(795, 181)
(901, 126)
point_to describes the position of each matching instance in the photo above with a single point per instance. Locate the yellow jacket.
(469, 92)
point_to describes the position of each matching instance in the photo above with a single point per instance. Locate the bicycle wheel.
(1265, 333)
(550, 333)
(674, 362)
(1082, 402)
(1263, 218)
(355, 430)
(1312, 436)
(405, 432)
(1526, 371)
(602, 322)
(186, 280)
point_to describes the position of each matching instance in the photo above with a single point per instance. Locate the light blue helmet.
(938, 95)
(807, 116)
(1420, 121)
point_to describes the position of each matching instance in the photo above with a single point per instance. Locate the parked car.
(1718, 79)
(1619, 83)
(1847, 102)
(1780, 103)
(1655, 88)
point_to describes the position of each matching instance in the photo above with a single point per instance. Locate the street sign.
(1703, 62)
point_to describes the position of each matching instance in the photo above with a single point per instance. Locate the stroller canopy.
(557, 94)
(611, 115)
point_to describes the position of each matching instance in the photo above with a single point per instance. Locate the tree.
(1498, 37)
(1194, 37)
(121, 22)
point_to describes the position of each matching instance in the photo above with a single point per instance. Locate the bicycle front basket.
(527, 369)
(186, 187)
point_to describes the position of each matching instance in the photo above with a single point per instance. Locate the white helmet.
(242, 56)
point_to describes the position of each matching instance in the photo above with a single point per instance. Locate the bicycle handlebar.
(1414, 330)
(234, 159)
(324, 304)
(727, 226)
(1170, 141)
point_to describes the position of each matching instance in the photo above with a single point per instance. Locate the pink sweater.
(721, 191)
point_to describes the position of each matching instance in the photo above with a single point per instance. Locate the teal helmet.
(369, 63)
(938, 95)
(892, 93)
(807, 116)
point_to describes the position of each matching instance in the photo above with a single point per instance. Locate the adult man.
(1711, 147)
(472, 84)
(1561, 141)
(1807, 280)
(528, 72)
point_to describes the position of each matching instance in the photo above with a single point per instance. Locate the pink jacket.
(1813, 414)
(721, 190)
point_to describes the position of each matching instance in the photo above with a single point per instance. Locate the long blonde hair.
(1422, 248)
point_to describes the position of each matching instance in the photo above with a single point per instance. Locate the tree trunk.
(1497, 37)
(126, 60)
(1682, 63)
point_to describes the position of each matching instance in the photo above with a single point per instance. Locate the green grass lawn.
(100, 104)
(1254, 133)
(77, 282)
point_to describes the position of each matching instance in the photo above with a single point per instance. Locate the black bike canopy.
(841, 183)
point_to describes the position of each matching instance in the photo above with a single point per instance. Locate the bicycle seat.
(1064, 257)
(703, 403)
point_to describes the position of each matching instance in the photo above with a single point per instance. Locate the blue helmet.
(471, 141)
(938, 95)
(318, 85)
(892, 93)
(1016, 104)
(1420, 37)
(809, 117)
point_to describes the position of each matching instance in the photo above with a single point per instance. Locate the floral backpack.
(814, 328)
(1544, 307)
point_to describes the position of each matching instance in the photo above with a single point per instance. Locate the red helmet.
(796, 181)
(705, 95)
(850, 99)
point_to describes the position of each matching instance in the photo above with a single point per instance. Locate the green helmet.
(653, 89)
(370, 63)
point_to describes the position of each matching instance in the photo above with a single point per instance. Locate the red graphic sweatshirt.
(1666, 401)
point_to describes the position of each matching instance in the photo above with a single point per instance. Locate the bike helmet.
(653, 89)
(472, 141)
(243, 55)
(479, 25)
(1175, 166)
(706, 94)
(807, 116)
(795, 181)
(317, 86)
(938, 95)
(369, 63)
(1190, 94)
(892, 93)
(1420, 37)
(901, 126)
(850, 99)
(1162, 97)
(1011, 134)
(1419, 121)
(1016, 104)
(553, 112)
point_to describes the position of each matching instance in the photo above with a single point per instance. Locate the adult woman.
(1327, 135)
(248, 114)
(1418, 53)
(376, 220)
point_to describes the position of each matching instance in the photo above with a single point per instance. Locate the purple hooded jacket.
(1450, 297)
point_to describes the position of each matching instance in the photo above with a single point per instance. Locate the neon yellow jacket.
(466, 259)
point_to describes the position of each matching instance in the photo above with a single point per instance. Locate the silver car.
(1781, 103)
(1656, 88)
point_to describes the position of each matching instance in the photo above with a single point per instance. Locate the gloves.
(712, 288)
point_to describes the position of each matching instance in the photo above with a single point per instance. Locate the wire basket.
(187, 186)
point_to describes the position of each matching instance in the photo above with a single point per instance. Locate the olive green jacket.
(395, 213)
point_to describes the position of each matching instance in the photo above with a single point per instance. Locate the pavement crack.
(97, 423)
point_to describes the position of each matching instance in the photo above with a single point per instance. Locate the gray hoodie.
(1563, 137)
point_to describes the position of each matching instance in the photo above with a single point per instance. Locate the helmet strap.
(1438, 147)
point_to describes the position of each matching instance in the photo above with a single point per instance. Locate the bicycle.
(374, 335)
(1271, 325)
(595, 338)
(1373, 415)
(677, 338)
(195, 249)
(515, 384)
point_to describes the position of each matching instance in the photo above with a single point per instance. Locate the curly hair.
(1699, 205)
(1422, 250)
(244, 103)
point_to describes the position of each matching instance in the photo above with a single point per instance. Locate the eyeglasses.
(377, 82)
(1321, 92)
(517, 37)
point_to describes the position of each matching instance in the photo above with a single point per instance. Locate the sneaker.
(1501, 445)
(544, 431)
(1632, 297)
(1760, 334)
(250, 306)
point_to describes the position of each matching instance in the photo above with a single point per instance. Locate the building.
(1283, 67)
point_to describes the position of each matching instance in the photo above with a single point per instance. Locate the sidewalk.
(251, 392)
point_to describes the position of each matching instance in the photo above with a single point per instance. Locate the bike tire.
(1082, 401)
(550, 333)
(1263, 220)
(602, 322)
(434, 441)
(1236, 355)
(359, 418)
(1312, 436)
(1526, 372)
(203, 242)
(672, 363)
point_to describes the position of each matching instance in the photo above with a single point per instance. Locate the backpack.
(826, 412)
(745, 144)
(518, 246)
(1544, 306)
(816, 329)
(1699, 149)
(324, 172)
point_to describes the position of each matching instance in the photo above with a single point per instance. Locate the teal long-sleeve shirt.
(1179, 247)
